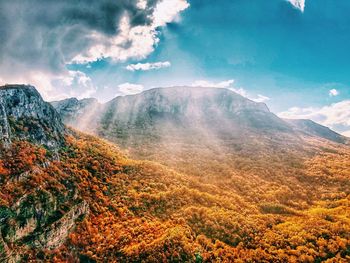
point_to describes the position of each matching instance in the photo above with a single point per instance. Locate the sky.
(291, 54)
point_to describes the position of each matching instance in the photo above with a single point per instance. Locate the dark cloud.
(46, 34)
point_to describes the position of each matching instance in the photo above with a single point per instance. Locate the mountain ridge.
(314, 128)
(177, 92)
(25, 115)
(258, 200)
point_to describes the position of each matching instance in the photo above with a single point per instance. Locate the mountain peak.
(24, 115)
(186, 98)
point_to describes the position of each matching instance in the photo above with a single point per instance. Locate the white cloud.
(148, 66)
(56, 87)
(130, 88)
(142, 4)
(75, 84)
(208, 84)
(261, 98)
(129, 41)
(168, 10)
(229, 84)
(132, 41)
(299, 4)
(333, 93)
(335, 116)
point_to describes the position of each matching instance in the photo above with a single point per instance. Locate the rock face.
(25, 116)
(41, 218)
(74, 111)
(172, 113)
(185, 113)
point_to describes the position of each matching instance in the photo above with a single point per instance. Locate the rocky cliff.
(177, 112)
(180, 112)
(24, 115)
(78, 113)
(38, 206)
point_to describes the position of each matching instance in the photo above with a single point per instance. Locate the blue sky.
(267, 47)
(294, 58)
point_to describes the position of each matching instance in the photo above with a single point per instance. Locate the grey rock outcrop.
(72, 109)
(56, 234)
(40, 219)
(24, 115)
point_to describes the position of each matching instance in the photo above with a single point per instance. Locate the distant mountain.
(189, 127)
(264, 193)
(73, 110)
(186, 114)
(314, 129)
(167, 111)
(24, 115)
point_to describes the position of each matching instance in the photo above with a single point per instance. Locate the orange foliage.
(141, 211)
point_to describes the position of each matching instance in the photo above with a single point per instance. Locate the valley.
(215, 180)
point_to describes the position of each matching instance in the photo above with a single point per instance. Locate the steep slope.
(204, 131)
(24, 115)
(186, 114)
(38, 208)
(92, 204)
(77, 113)
(168, 111)
(179, 111)
(144, 212)
(314, 129)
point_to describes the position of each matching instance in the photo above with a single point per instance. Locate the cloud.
(299, 4)
(142, 4)
(40, 37)
(56, 87)
(148, 66)
(75, 84)
(335, 116)
(206, 84)
(333, 93)
(133, 41)
(168, 10)
(229, 84)
(261, 98)
(130, 88)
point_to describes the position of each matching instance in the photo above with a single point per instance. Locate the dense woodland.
(141, 211)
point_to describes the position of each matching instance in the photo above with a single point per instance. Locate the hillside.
(178, 112)
(314, 129)
(208, 132)
(87, 201)
(110, 208)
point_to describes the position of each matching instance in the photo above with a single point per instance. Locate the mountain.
(217, 110)
(24, 115)
(38, 208)
(74, 111)
(176, 112)
(91, 203)
(164, 110)
(168, 125)
(314, 129)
